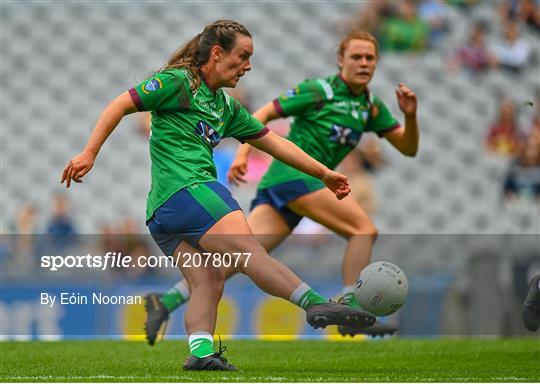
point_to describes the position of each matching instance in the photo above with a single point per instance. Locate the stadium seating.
(63, 62)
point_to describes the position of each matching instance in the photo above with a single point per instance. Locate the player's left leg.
(345, 217)
(531, 306)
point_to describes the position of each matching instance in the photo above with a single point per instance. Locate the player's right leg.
(233, 235)
(347, 218)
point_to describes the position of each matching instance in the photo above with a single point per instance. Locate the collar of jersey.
(206, 85)
(351, 91)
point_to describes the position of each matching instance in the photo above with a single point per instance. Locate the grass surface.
(501, 360)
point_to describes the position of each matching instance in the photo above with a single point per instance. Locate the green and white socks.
(201, 344)
(176, 296)
(304, 297)
(349, 297)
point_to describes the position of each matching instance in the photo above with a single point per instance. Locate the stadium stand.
(63, 62)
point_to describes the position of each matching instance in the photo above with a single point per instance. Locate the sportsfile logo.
(119, 260)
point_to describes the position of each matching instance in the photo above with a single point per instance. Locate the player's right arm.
(164, 91)
(81, 164)
(239, 165)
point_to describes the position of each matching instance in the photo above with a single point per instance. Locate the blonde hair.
(196, 52)
(357, 34)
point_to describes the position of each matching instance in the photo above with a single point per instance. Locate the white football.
(381, 288)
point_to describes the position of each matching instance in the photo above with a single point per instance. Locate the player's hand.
(337, 183)
(237, 171)
(77, 167)
(406, 100)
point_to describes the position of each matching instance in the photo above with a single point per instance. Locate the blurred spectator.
(504, 137)
(23, 244)
(406, 32)
(434, 13)
(512, 52)
(463, 4)
(60, 224)
(60, 228)
(474, 55)
(126, 239)
(534, 129)
(25, 223)
(136, 246)
(527, 11)
(370, 16)
(109, 241)
(523, 179)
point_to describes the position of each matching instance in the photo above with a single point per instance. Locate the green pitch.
(383, 360)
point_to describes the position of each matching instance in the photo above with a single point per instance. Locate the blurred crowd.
(406, 26)
(58, 234)
(520, 145)
(419, 25)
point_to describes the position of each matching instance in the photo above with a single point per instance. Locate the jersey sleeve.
(304, 96)
(381, 121)
(167, 90)
(243, 125)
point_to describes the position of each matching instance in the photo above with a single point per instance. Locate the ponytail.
(196, 52)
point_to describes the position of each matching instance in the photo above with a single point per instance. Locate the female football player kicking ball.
(186, 206)
(330, 115)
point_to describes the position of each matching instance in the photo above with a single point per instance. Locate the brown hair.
(196, 52)
(357, 34)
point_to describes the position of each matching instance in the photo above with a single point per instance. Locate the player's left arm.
(406, 138)
(289, 153)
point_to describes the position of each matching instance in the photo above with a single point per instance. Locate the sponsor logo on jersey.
(152, 85)
(344, 135)
(365, 115)
(207, 133)
(291, 93)
(209, 107)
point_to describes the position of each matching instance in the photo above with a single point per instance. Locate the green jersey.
(329, 120)
(186, 126)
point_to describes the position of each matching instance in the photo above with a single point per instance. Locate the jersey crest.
(344, 135)
(152, 85)
(207, 133)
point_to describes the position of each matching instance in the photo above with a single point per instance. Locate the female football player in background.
(330, 115)
(186, 206)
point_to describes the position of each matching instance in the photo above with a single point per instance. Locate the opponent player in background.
(186, 206)
(330, 115)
